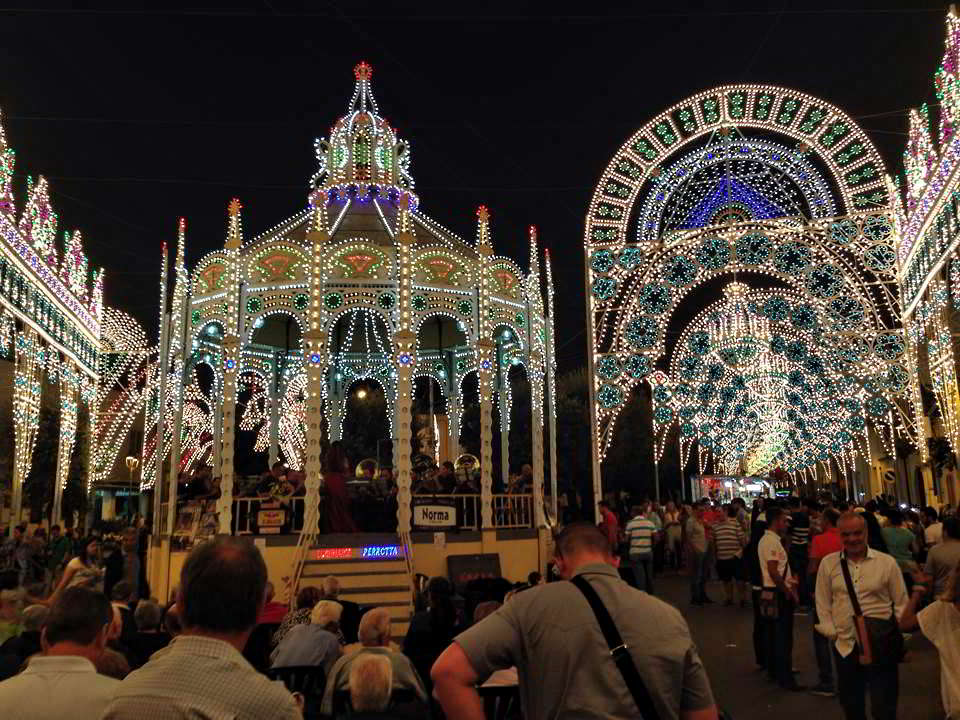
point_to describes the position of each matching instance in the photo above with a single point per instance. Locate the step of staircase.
(371, 581)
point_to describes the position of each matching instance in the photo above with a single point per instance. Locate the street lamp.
(132, 463)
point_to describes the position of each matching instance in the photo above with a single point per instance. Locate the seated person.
(447, 478)
(272, 612)
(15, 651)
(149, 637)
(314, 644)
(371, 685)
(374, 637)
(307, 599)
(298, 481)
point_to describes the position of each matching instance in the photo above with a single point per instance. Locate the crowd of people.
(795, 557)
(75, 641)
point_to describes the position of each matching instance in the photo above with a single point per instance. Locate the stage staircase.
(374, 570)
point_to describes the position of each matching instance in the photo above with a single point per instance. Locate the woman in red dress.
(337, 518)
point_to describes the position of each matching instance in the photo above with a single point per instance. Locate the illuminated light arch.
(269, 312)
(854, 165)
(451, 269)
(334, 317)
(358, 258)
(819, 230)
(277, 263)
(209, 276)
(422, 318)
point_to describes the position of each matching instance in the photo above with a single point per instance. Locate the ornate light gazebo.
(360, 285)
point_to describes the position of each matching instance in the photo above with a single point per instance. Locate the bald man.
(877, 586)
(374, 635)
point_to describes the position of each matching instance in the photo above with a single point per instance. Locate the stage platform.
(372, 567)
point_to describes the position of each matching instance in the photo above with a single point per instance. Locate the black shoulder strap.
(850, 591)
(618, 650)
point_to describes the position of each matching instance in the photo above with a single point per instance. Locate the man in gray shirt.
(563, 662)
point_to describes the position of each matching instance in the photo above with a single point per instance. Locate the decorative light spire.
(484, 245)
(362, 99)
(181, 244)
(7, 159)
(534, 254)
(405, 215)
(38, 223)
(362, 149)
(947, 80)
(234, 229)
(318, 207)
(919, 156)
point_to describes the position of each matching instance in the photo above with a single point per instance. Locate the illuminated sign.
(367, 552)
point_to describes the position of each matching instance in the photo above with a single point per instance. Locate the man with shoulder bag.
(591, 647)
(860, 596)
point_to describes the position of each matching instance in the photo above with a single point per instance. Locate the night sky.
(139, 117)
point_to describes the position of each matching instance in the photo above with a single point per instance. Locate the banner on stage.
(434, 512)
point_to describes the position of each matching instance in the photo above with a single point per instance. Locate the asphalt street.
(724, 639)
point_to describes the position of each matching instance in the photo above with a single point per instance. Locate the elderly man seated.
(313, 644)
(374, 635)
(371, 684)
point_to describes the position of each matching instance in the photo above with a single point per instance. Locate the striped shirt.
(640, 533)
(799, 528)
(730, 539)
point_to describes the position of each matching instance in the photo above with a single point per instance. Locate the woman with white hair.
(314, 644)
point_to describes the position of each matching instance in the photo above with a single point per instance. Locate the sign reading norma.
(434, 512)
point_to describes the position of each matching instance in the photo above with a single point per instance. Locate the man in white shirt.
(63, 682)
(778, 580)
(933, 530)
(880, 591)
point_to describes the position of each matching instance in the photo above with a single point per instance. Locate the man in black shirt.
(798, 551)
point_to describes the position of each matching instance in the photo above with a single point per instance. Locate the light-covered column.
(274, 397)
(231, 366)
(28, 360)
(163, 370)
(485, 383)
(453, 423)
(503, 405)
(486, 357)
(69, 388)
(180, 327)
(404, 340)
(317, 358)
(551, 390)
(335, 407)
(536, 337)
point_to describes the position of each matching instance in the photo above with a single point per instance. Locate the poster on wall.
(464, 568)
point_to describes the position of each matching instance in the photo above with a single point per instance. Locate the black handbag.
(879, 640)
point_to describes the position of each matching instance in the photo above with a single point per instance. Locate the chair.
(308, 680)
(499, 700)
(403, 703)
(257, 649)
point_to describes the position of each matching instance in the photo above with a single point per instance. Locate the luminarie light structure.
(929, 217)
(741, 260)
(51, 309)
(359, 286)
